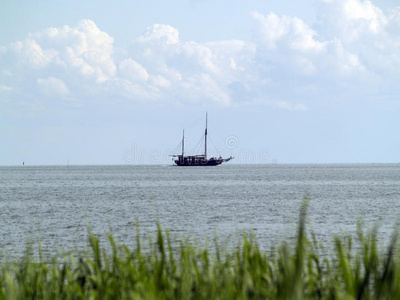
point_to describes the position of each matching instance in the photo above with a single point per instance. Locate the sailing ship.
(198, 160)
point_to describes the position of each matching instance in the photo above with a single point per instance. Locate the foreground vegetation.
(161, 270)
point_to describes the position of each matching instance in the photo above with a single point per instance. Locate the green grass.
(356, 269)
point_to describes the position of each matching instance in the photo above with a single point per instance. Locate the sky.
(116, 82)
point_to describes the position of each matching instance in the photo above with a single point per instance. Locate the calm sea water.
(57, 202)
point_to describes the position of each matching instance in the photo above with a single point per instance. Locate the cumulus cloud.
(158, 80)
(160, 34)
(365, 31)
(83, 50)
(354, 46)
(189, 71)
(290, 32)
(352, 19)
(52, 87)
(132, 70)
(352, 50)
(30, 54)
(290, 43)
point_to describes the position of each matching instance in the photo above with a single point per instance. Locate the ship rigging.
(198, 160)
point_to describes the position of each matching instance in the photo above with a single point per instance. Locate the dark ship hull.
(200, 161)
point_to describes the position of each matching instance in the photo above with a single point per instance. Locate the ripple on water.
(197, 202)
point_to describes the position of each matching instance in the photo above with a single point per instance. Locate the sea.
(59, 205)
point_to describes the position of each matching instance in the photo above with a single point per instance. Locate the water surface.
(198, 202)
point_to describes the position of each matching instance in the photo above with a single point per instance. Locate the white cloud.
(363, 30)
(365, 12)
(161, 34)
(132, 70)
(160, 81)
(288, 31)
(52, 87)
(200, 55)
(234, 59)
(352, 20)
(354, 47)
(203, 86)
(346, 61)
(120, 87)
(291, 44)
(84, 48)
(30, 54)
(190, 70)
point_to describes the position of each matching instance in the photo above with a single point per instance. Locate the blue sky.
(115, 82)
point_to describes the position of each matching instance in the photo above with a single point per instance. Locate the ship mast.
(183, 142)
(205, 139)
